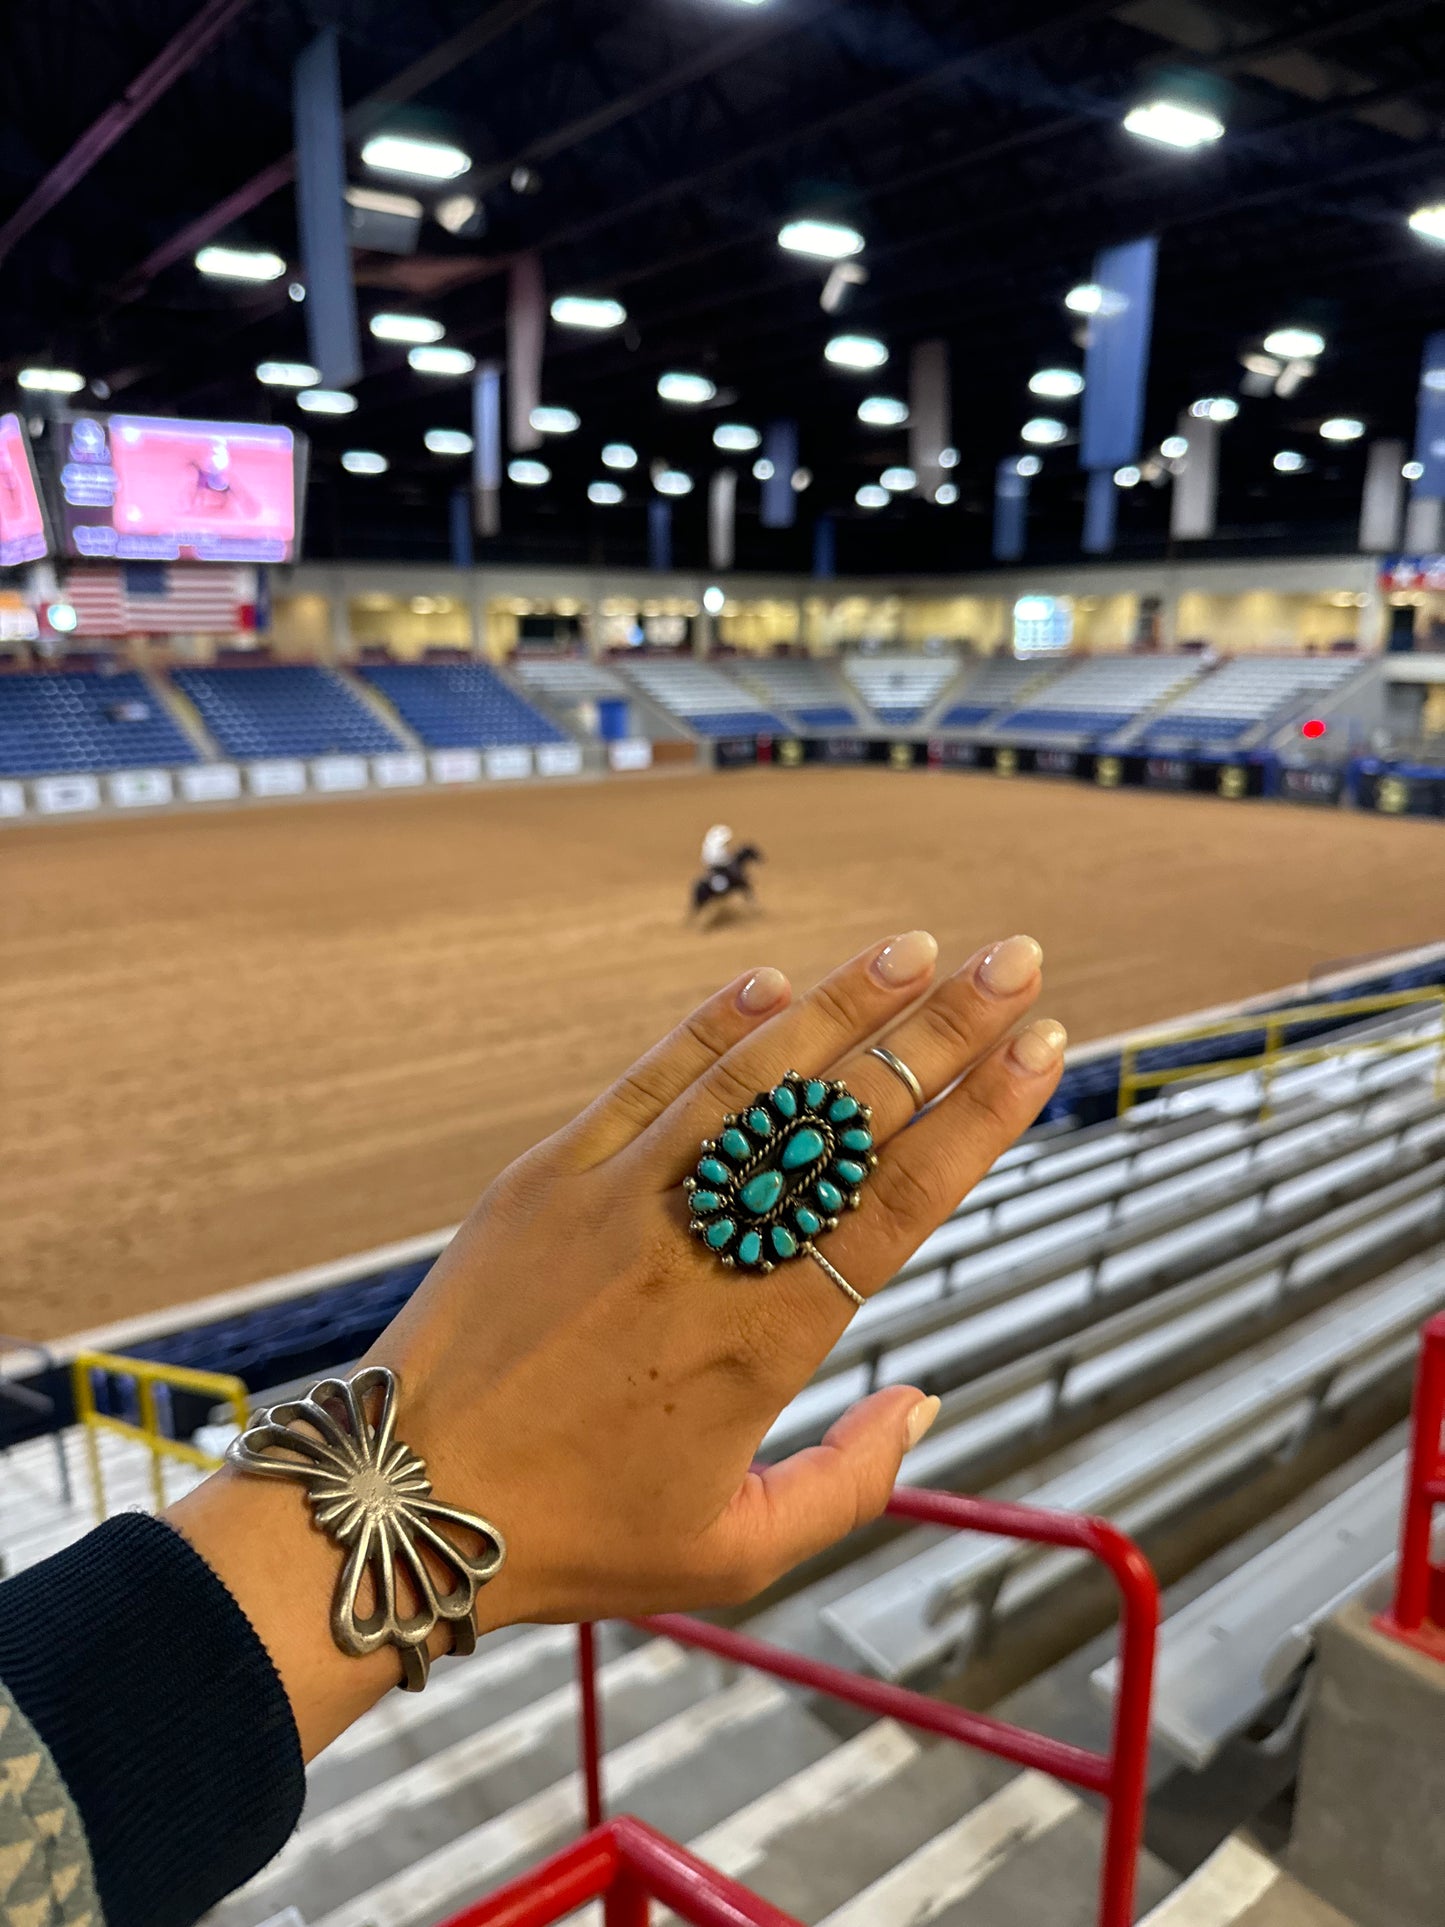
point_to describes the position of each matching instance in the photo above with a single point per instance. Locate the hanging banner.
(487, 448)
(1010, 511)
(1101, 512)
(1116, 363)
(780, 501)
(526, 337)
(930, 414)
(659, 534)
(1383, 497)
(1192, 512)
(1430, 421)
(332, 333)
(825, 547)
(722, 504)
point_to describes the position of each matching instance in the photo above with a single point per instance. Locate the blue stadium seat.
(284, 709)
(963, 714)
(461, 705)
(54, 724)
(827, 716)
(1198, 729)
(738, 722)
(1067, 722)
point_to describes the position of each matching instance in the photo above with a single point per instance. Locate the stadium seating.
(1243, 695)
(567, 679)
(702, 697)
(53, 724)
(900, 689)
(808, 692)
(996, 685)
(459, 705)
(291, 709)
(1101, 696)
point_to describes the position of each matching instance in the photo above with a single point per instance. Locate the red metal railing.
(1119, 1775)
(1417, 1615)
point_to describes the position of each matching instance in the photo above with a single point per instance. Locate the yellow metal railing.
(146, 1375)
(1278, 1052)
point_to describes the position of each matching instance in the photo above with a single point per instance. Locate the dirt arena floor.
(233, 1044)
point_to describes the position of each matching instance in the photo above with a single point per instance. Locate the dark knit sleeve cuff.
(163, 1714)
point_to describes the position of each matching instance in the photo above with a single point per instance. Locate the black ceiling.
(978, 149)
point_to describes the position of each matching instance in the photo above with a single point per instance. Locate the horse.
(730, 879)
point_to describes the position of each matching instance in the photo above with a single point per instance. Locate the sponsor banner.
(280, 776)
(211, 783)
(791, 752)
(1167, 772)
(898, 755)
(946, 755)
(135, 788)
(632, 752)
(1412, 572)
(507, 765)
(456, 766)
(559, 759)
(1050, 762)
(57, 794)
(403, 770)
(1395, 795)
(841, 749)
(1311, 785)
(738, 752)
(12, 799)
(339, 773)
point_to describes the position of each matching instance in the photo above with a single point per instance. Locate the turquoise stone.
(842, 1107)
(828, 1195)
(751, 1247)
(761, 1193)
(717, 1234)
(705, 1200)
(815, 1094)
(714, 1171)
(785, 1102)
(849, 1172)
(760, 1122)
(735, 1144)
(857, 1140)
(784, 1243)
(808, 1222)
(803, 1147)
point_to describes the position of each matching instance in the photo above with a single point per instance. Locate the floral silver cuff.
(371, 1494)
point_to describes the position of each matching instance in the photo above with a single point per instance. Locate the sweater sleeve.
(160, 1712)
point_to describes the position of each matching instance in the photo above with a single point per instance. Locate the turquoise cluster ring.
(780, 1174)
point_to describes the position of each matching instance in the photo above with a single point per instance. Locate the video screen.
(143, 489)
(22, 520)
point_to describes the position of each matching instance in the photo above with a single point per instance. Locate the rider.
(717, 849)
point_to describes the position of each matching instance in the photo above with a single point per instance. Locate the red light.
(1316, 726)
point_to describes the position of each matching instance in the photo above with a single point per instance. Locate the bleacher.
(704, 698)
(460, 705)
(900, 689)
(56, 724)
(809, 693)
(1100, 696)
(996, 685)
(1228, 705)
(567, 679)
(284, 709)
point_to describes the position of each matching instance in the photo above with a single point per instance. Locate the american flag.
(161, 599)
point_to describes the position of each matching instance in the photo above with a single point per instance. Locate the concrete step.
(1238, 1886)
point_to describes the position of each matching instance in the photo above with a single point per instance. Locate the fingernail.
(906, 958)
(762, 990)
(1010, 966)
(920, 1418)
(1039, 1048)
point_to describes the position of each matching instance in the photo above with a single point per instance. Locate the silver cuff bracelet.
(371, 1494)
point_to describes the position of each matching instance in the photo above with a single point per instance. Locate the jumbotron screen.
(22, 520)
(146, 489)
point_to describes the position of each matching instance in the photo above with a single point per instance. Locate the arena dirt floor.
(233, 1044)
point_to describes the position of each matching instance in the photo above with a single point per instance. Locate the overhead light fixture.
(1056, 384)
(691, 391)
(554, 421)
(714, 600)
(1043, 431)
(1413, 471)
(1214, 408)
(1173, 124)
(1342, 428)
(871, 496)
(296, 291)
(406, 327)
(527, 473)
(240, 264)
(1027, 466)
(882, 411)
(802, 479)
(672, 481)
(948, 458)
(619, 455)
(417, 160)
(288, 374)
(1289, 461)
(596, 311)
(63, 618)
(1126, 477)
(51, 381)
(736, 437)
(823, 240)
(762, 469)
(843, 278)
(1294, 344)
(946, 494)
(364, 461)
(441, 361)
(1430, 221)
(898, 481)
(1174, 447)
(1086, 298)
(604, 494)
(461, 214)
(855, 351)
(448, 441)
(326, 401)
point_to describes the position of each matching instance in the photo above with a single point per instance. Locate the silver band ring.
(901, 1071)
(854, 1297)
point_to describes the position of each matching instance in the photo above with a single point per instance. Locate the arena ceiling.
(651, 150)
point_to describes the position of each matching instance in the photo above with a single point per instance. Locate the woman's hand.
(581, 1371)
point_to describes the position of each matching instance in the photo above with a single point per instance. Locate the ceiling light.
(690, 390)
(762, 469)
(1056, 384)
(1295, 344)
(948, 458)
(288, 374)
(898, 481)
(296, 291)
(619, 455)
(326, 401)
(448, 441)
(855, 351)
(529, 474)
(51, 381)
(871, 496)
(588, 311)
(1087, 298)
(240, 264)
(419, 160)
(554, 421)
(824, 240)
(442, 361)
(672, 481)
(1174, 447)
(406, 327)
(882, 411)
(1289, 461)
(461, 214)
(1043, 431)
(1028, 465)
(605, 494)
(802, 479)
(1214, 408)
(713, 600)
(364, 461)
(736, 437)
(1430, 221)
(1126, 477)
(1342, 428)
(1173, 124)
(1413, 471)
(62, 617)
(946, 494)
